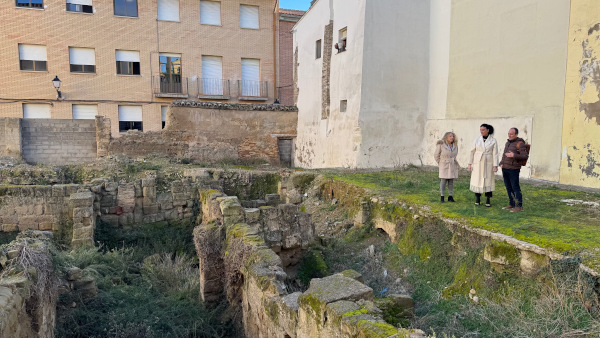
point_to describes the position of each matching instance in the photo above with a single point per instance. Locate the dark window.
(33, 65)
(83, 69)
(129, 125)
(79, 8)
(126, 8)
(318, 49)
(163, 124)
(128, 68)
(30, 3)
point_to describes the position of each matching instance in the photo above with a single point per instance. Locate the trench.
(147, 285)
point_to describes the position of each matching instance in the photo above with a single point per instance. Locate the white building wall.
(335, 141)
(395, 82)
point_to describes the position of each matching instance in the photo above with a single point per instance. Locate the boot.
(442, 199)
(450, 199)
(487, 202)
(477, 199)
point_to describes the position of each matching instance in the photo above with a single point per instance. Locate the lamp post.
(56, 84)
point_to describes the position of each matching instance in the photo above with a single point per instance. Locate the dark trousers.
(511, 182)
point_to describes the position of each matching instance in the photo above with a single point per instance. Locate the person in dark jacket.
(514, 153)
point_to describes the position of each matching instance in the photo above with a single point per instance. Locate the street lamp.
(56, 84)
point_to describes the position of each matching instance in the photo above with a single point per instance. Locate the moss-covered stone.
(502, 253)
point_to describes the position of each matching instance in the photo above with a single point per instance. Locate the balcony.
(253, 90)
(214, 89)
(170, 86)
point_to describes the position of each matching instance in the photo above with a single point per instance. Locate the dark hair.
(516, 130)
(488, 127)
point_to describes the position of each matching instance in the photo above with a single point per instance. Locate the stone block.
(148, 182)
(353, 274)
(150, 209)
(149, 219)
(110, 186)
(150, 193)
(531, 262)
(81, 199)
(137, 187)
(46, 226)
(293, 197)
(273, 199)
(291, 242)
(171, 215)
(252, 215)
(335, 288)
(9, 227)
(126, 197)
(83, 212)
(126, 219)
(83, 232)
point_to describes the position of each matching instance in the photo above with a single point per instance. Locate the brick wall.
(213, 132)
(58, 30)
(287, 20)
(52, 141)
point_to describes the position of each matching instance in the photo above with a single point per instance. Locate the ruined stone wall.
(35, 207)
(209, 131)
(10, 137)
(242, 256)
(53, 141)
(28, 297)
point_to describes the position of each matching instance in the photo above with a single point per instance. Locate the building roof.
(291, 11)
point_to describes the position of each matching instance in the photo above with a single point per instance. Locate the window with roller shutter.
(32, 58)
(84, 111)
(250, 77)
(210, 13)
(36, 111)
(212, 75)
(128, 62)
(80, 6)
(249, 17)
(130, 118)
(82, 60)
(168, 10)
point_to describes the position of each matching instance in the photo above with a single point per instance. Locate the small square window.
(318, 49)
(126, 8)
(343, 106)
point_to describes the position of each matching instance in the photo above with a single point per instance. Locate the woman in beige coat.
(445, 156)
(483, 162)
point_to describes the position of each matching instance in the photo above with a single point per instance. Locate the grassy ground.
(545, 221)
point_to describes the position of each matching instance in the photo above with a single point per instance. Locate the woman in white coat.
(445, 156)
(483, 162)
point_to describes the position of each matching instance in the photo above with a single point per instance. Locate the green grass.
(545, 221)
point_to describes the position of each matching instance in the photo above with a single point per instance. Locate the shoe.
(477, 199)
(515, 209)
(487, 202)
(508, 207)
(450, 199)
(442, 199)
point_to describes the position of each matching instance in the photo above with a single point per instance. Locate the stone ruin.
(244, 254)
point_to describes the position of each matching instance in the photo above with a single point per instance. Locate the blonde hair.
(445, 138)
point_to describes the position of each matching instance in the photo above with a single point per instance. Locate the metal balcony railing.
(170, 85)
(214, 88)
(249, 90)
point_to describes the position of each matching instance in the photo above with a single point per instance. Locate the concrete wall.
(214, 132)
(507, 59)
(51, 141)
(145, 34)
(328, 137)
(581, 124)
(395, 79)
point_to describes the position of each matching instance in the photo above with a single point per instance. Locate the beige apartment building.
(128, 59)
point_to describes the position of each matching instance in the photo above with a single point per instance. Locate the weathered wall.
(249, 271)
(581, 125)
(53, 141)
(214, 131)
(507, 59)
(28, 299)
(326, 136)
(35, 207)
(287, 19)
(395, 79)
(10, 137)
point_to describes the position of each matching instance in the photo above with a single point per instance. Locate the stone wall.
(28, 293)
(35, 207)
(212, 132)
(10, 137)
(52, 141)
(242, 255)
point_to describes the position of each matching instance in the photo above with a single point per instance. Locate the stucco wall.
(395, 73)
(507, 59)
(581, 142)
(334, 141)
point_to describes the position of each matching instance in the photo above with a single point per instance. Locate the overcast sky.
(294, 4)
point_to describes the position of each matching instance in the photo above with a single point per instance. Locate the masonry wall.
(580, 163)
(10, 137)
(58, 30)
(287, 19)
(214, 132)
(53, 141)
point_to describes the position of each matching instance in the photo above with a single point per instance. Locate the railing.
(253, 89)
(170, 85)
(213, 87)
